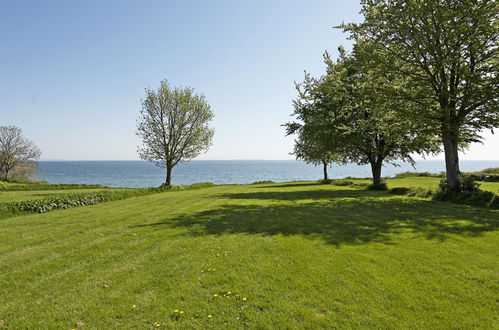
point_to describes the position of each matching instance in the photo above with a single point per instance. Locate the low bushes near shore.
(468, 193)
(65, 201)
(487, 175)
(42, 185)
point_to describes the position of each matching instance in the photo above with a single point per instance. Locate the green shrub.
(400, 190)
(41, 185)
(412, 192)
(60, 202)
(420, 174)
(342, 183)
(198, 185)
(468, 192)
(381, 186)
(263, 182)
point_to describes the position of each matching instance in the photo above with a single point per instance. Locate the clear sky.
(72, 73)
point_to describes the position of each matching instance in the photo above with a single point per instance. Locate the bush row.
(41, 185)
(65, 201)
(487, 175)
(59, 202)
(467, 193)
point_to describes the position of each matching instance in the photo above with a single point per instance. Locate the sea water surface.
(145, 174)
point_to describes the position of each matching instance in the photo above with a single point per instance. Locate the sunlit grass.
(298, 255)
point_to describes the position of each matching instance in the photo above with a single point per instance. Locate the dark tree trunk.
(325, 171)
(450, 142)
(168, 175)
(376, 170)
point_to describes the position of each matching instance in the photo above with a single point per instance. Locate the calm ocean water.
(145, 174)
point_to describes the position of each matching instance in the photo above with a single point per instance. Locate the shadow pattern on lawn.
(336, 216)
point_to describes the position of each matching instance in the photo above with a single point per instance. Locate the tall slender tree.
(312, 143)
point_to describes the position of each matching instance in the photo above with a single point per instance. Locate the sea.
(136, 173)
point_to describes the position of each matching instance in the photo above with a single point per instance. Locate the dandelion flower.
(133, 306)
(215, 295)
(210, 316)
(181, 312)
(244, 299)
(176, 311)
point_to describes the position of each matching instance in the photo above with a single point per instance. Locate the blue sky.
(72, 73)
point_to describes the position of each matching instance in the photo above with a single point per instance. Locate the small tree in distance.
(18, 155)
(173, 126)
(312, 144)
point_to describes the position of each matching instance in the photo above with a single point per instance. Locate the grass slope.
(296, 255)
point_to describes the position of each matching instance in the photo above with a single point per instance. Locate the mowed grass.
(295, 255)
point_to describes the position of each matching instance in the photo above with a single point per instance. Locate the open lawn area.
(292, 255)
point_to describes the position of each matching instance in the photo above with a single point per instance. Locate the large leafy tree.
(371, 124)
(447, 53)
(355, 118)
(173, 126)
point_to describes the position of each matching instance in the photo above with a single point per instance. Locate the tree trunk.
(451, 159)
(325, 171)
(168, 175)
(376, 170)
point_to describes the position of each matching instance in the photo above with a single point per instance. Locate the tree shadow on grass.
(336, 216)
(318, 194)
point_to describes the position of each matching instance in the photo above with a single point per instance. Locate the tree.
(356, 119)
(448, 50)
(173, 126)
(312, 145)
(17, 153)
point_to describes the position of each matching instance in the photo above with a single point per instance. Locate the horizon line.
(234, 159)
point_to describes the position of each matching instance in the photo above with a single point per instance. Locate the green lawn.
(296, 255)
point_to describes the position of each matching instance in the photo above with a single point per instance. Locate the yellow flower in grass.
(176, 311)
(134, 306)
(244, 299)
(215, 295)
(181, 312)
(210, 316)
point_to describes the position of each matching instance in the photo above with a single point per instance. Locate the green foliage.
(444, 58)
(418, 174)
(342, 183)
(198, 185)
(467, 192)
(60, 202)
(381, 186)
(263, 182)
(65, 201)
(412, 192)
(487, 175)
(346, 113)
(173, 126)
(41, 185)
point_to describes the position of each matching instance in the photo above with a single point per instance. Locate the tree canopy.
(173, 126)
(446, 52)
(18, 155)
